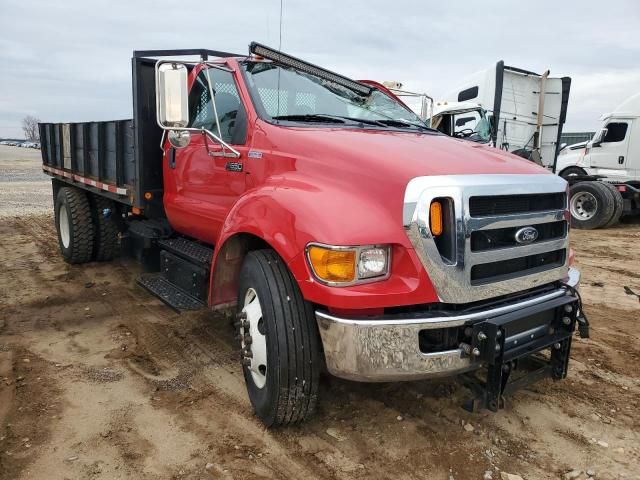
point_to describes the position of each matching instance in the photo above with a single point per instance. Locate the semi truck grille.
(491, 205)
(484, 259)
(505, 269)
(506, 237)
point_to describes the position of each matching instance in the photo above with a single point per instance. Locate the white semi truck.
(604, 172)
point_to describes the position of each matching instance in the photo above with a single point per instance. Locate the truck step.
(189, 250)
(173, 296)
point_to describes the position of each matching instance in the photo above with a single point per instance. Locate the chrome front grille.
(485, 260)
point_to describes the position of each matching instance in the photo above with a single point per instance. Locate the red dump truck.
(342, 232)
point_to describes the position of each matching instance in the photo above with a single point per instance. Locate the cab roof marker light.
(289, 61)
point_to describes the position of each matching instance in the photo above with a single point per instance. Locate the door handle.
(172, 157)
(621, 159)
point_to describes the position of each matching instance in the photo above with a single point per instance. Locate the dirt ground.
(99, 380)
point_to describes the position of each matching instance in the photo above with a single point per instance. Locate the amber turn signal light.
(435, 218)
(333, 265)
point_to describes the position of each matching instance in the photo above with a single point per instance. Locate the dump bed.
(120, 159)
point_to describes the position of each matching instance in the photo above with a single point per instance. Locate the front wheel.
(279, 341)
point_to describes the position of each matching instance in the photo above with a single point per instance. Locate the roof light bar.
(289, 61)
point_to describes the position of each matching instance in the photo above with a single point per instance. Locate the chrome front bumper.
(382, 350)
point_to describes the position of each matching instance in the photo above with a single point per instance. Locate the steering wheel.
(465, 132)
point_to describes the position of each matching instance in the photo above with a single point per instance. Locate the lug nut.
(241, 315)
(568, 308)
(246, 362)
(475, 352)
(499, 334)
(248, 340)
(481, 336)
(566, 320)
(557, 346)
(497, 348)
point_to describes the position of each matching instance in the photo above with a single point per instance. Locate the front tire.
(74, 225)
(279, 341)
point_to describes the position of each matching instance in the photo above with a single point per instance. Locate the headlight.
(342, 266)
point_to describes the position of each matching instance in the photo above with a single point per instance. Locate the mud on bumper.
(389, 348)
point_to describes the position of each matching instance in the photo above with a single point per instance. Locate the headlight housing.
(343, 266)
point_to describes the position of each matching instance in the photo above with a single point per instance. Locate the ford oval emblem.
(526, 235)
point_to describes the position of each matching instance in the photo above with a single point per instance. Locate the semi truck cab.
(338, 228)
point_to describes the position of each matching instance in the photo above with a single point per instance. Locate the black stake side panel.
(101, 151)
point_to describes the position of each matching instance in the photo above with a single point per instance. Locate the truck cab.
(613, 152)
(466, 120)
(337, 228)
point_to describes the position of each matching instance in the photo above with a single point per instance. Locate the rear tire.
(618, 203)
(105, 242)
(74, 225)
(592, 205)
(281, 361)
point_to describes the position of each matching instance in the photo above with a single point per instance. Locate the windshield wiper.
(310, 117)
(391, 122)
(327, 118)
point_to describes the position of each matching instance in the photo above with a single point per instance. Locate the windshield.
(304, 97)
(472, 126)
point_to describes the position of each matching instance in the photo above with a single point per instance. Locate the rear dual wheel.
(86, 226)
(74, 225)
(594, 204)
(279, 341)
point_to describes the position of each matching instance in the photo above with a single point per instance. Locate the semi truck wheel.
(618, 203)
(74, 225)
(279, 341)
(105, 239)
(592, 205)
(572, 172)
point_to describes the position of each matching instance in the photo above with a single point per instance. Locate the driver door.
(201, 185)
(611, 154)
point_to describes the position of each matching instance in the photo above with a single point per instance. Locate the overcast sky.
(70, 60)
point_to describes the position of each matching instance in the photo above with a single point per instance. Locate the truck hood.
(397, 155)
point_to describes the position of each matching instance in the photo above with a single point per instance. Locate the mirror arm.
(233, 152)
(213, 101)
(164, 133)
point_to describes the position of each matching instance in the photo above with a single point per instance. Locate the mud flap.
(511, 348)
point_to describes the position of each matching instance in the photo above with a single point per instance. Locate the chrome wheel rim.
(63, 226)
(253, 338)
(584, 206)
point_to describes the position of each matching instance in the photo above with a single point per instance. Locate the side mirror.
(599, 137)
(172, 95)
